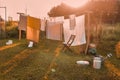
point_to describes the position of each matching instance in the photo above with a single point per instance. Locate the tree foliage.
(108, 9)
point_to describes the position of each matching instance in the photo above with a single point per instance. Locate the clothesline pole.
(19, 34)
(88, 32)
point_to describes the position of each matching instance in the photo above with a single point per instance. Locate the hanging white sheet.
(79, 31)
(72, 22)
(54, 31)
(59, 19)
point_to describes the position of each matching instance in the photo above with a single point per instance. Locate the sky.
(35, 8)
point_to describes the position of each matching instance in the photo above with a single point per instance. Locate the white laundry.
(79, 31)
(72, 22)
(54, 31)
(59, 19)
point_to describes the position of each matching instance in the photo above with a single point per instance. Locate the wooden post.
(88, 32)
(19, 34)
(99, 33)
(19, 29)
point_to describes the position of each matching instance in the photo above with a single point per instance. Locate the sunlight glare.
(75, 3)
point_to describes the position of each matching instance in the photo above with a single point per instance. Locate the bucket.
(97, 63)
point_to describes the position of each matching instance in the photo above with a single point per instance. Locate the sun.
(75, 3)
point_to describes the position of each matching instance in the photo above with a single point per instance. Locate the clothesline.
(56, 27)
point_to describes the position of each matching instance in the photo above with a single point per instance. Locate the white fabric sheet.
(59, 19)
(79, 31)
(54, 31)
(72, 22)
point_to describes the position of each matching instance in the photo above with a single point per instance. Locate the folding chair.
(68, 44)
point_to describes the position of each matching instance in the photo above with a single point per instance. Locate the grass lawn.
(46, 61)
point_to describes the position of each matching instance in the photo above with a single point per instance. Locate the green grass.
(37, 64)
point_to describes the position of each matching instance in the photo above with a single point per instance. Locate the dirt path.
(11, 64)
(52, 64)
(17, 59)
(8, 66)
(9, 46)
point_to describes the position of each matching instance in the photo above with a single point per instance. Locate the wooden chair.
(68, 44)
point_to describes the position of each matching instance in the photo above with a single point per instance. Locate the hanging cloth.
(54, 31)
(33, 29)
(33, 22)
(72, 22)
(79, 31)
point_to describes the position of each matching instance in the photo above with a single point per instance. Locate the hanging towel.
(32, 34)
(33, 22)
(72, 22)
(80, 29)
(54, 31)
(33, 29)
(59, 19)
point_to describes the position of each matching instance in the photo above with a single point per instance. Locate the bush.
(2, 34)
(13, 33)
